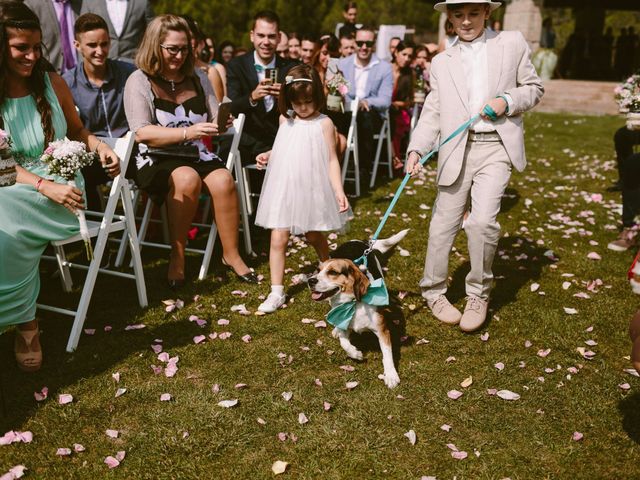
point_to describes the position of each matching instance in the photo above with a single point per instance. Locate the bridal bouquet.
(338, 87)
(627, 94)
(65, 158)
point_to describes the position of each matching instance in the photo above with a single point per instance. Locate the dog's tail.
(386, 244)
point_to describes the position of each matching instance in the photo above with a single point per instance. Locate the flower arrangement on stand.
(420, 89)
(627, 95)
(338, 87)
(7, 162)
(65, 158)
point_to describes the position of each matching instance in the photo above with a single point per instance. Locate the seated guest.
(198, 44)
(347, 46)
(371, 81)
(97, 85)
(208, 55)
(226, 52)
(294, 46)
(308, 47)
(171, 104)
(282, 48)
(350, 14)
(393, 44)
(251, 92)
(422, 64)
(36, 108)
(402, 100)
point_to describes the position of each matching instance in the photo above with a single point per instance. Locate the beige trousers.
(484, 176)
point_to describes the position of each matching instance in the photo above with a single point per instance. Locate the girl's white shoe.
(273, 302)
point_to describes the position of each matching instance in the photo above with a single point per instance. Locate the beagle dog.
(342, 282)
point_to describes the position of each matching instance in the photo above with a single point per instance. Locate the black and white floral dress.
(153, 176)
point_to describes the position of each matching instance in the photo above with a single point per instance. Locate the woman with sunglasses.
(171, 107)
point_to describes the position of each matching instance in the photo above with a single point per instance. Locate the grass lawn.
(549, 207)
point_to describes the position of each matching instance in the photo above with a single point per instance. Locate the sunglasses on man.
(365, 43)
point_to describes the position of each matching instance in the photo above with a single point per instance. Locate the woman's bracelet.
(39, 184)
(100, 142)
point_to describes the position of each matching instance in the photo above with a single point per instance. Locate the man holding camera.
(253, 84)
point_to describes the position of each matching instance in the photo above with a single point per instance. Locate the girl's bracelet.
(39, 184)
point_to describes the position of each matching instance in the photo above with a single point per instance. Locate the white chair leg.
(208, 251)
(134, 245)
(389, 148)
(246, 187)
(122, 249)
(65, 273)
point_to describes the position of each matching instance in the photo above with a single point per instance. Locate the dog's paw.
(355, 354)
(391, 380)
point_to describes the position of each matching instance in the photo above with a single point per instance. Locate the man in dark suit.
(57, 16)
(127, 21)
(251, 90)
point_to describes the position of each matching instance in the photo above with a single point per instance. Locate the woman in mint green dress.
(37, 108)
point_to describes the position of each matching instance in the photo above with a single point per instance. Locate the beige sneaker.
(444, 311)
(626, 240)
(475, 314)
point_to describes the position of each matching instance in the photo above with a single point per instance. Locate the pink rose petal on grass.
(445, 427)
(508, 395)
(326, 406)
(41, 395)
(411, 435)
(65, 398)
(485, 337)
(63, 452)
(246, 338)
(499, 366)
(111, 462)
(351, 385)
(302, 418)
(624, 386)
(287, 396)
(14, 472)
(593, 256)
(347, 368)
(544, 353)
(199, 339)
(138, 326)
(112, 433)
(89, 331)
(240, 386)
(165, 397)
(577, 436)
(116, 376)
(156, 348)
(223, 321)
(454, 394)
(459, 455)
(120, 392)
(77, 447)
(224, 335)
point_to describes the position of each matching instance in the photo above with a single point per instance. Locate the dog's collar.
(341, 315)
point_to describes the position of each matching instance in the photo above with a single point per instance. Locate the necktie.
(259, 68)
(69, 59)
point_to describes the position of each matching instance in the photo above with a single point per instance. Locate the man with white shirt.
(371, 81)
(127, 21)
(252, 92)
(488, 73)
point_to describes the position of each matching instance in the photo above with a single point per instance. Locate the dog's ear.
(360, 282)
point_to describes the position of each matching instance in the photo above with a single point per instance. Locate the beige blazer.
(446, 108)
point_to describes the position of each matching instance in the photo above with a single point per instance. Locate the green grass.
(362, 435)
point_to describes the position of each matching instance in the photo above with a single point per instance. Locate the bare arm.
(335, 176)
(216, 82)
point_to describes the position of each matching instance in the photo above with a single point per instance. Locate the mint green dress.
(28, 219)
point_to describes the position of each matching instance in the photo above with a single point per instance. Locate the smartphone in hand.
(224, 110)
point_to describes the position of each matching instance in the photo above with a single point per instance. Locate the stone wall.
(526, 16)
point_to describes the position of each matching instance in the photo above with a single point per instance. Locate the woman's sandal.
(249, 277)
(31, 360)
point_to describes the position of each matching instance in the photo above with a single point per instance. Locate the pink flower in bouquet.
(343, 89)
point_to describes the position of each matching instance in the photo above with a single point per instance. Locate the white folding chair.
(234, 165)
(100, 229)
(352, 149)
(383, 135)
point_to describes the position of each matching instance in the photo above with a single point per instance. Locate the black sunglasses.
(367, 43)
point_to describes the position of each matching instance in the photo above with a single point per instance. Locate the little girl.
(302, 190)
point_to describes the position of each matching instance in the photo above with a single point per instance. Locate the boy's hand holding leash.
(413, 165)
(494, 109)
(262, 160)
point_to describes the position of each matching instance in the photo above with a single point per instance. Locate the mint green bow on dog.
(341, 315)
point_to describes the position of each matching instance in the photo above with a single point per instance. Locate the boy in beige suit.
(482, 69)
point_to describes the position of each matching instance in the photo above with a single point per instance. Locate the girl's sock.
(277, 289)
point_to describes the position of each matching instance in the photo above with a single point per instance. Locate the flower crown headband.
(288, 80)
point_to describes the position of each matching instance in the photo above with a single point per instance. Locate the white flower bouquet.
(338, 87)
(627, 94)
(65, 158)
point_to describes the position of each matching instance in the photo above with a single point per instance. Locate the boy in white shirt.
(488, 73)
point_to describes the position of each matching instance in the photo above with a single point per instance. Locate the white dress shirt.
(117, 13)
(269, 101)
(362, 76)
(475, 66)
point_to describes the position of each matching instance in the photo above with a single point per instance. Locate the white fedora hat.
(442, 6)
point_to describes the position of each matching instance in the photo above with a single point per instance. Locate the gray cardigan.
(138, 100)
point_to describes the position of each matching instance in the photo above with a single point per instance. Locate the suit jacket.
(446, 107)
(139, 14)
(379, 86)
(52, 46)
(242, 79)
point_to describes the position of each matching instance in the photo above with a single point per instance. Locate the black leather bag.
(189, 153)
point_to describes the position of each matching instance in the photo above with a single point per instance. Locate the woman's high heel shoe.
(249, 277)
(31, 360)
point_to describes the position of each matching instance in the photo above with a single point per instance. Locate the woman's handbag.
(189, 153)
